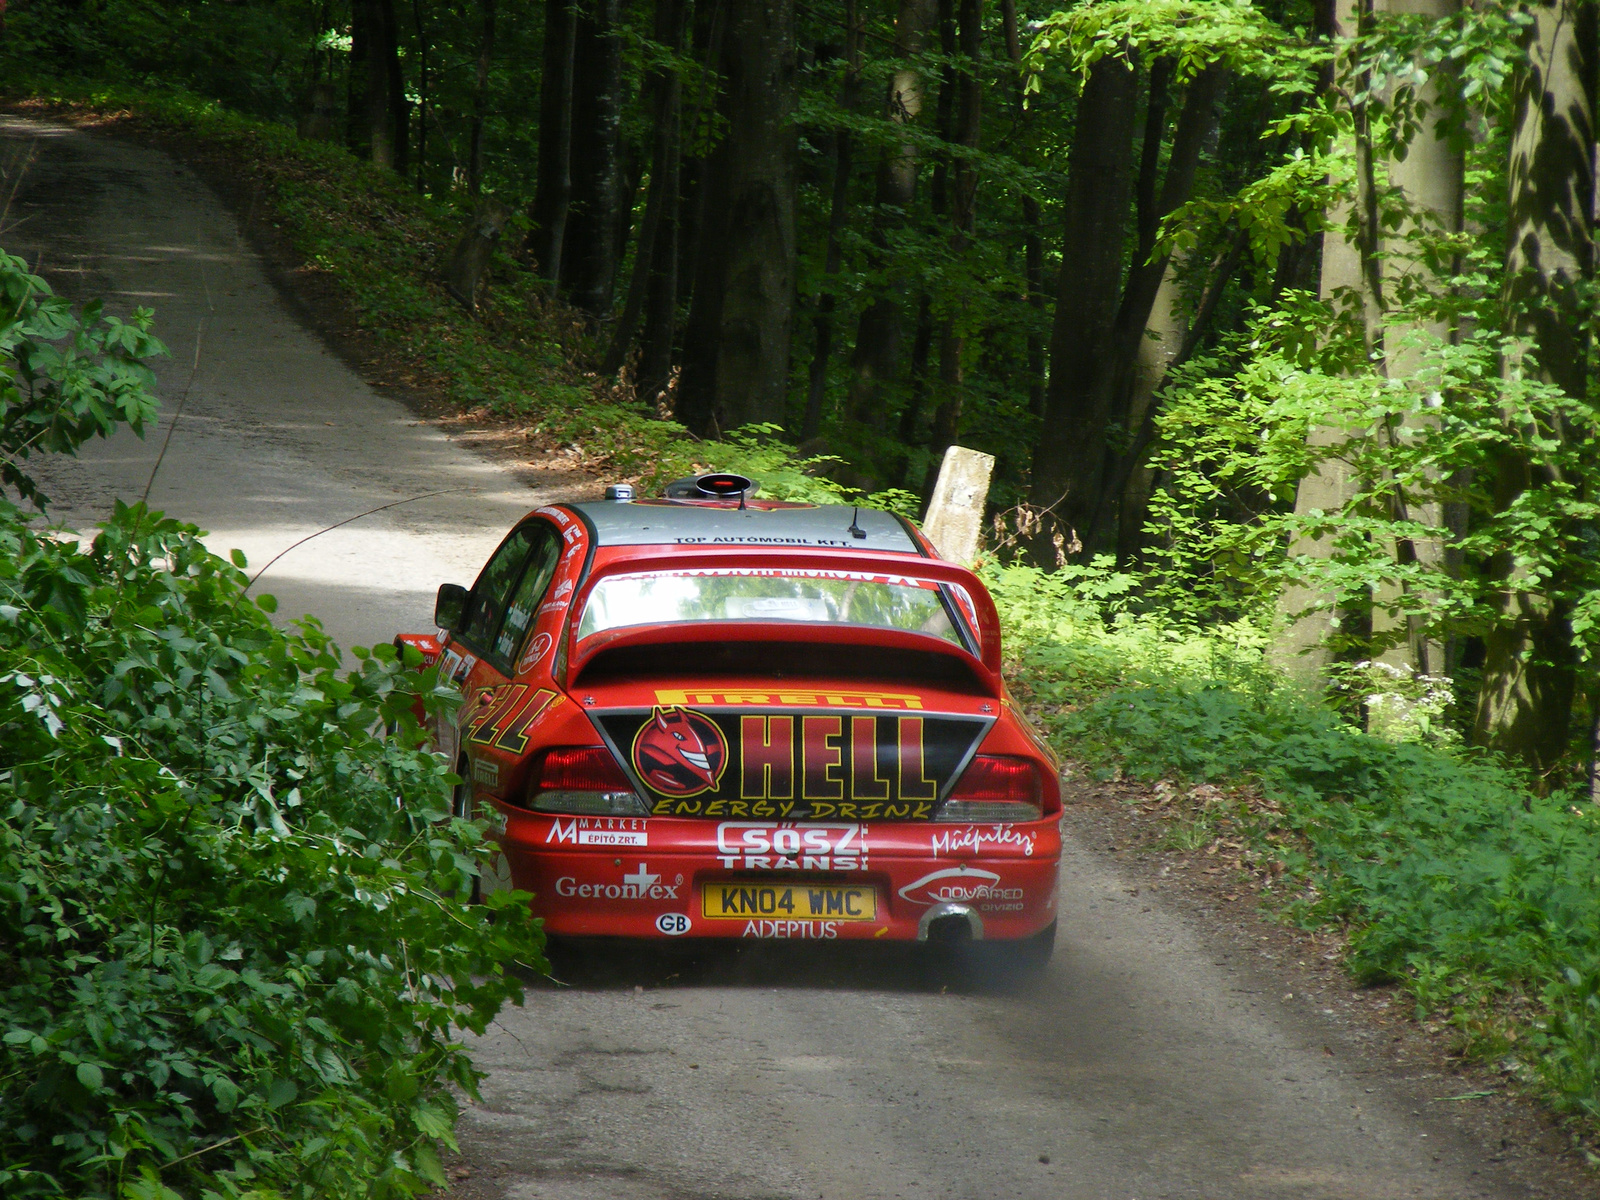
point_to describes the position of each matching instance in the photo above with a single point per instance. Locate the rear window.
(831, 597)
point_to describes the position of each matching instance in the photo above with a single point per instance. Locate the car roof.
(709, 525)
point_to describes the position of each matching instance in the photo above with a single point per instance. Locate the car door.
(479, 626)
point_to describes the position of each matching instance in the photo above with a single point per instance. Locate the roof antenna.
(855, 527)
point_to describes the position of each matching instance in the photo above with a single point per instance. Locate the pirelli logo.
(902, 701)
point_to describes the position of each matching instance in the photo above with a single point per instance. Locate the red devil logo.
(680, 752)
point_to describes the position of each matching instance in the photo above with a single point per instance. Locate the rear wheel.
(1022, 958)
(494, 872)
(462, 808)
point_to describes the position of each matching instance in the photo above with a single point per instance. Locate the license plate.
(803, 902)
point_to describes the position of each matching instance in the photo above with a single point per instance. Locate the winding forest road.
(1150, 1061)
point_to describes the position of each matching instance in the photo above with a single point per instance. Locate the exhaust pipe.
(950, 923)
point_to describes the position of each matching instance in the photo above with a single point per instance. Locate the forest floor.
(1183, 1044)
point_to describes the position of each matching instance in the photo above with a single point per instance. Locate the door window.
(487, 605)
(542, 559)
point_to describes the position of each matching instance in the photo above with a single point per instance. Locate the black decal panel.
(808, 765)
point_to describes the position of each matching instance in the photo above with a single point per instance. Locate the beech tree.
(1104, 302)
(875, 361)
(588, 260)
(548, 218)
(1525, 704)
(377, 121)
(736, 343)
(1370, 266)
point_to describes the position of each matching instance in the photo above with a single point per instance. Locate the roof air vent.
(621, 492)
(718, 486)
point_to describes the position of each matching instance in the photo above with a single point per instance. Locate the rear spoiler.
(987, 626)
(783, 637)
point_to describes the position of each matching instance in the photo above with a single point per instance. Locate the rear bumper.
(649, 877)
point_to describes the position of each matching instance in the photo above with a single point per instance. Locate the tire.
(495, 872)
(462, 808)
(1024, 958)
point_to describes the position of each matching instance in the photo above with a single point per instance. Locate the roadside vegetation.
(1448, 871)
(234, 945)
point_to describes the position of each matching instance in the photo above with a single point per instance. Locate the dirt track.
(1155, 1059)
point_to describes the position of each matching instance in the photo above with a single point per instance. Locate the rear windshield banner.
(798, 766)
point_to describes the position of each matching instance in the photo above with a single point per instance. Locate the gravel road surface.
(1142, 1065)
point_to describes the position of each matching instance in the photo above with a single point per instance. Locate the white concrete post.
(954, 522)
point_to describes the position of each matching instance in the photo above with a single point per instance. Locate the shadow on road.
(619, 964)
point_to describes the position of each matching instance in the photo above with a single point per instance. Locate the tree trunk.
(660, 208)
(1131, 478)
(1032, 243)
(630, 171)
(1302, 649)
(822, 322)
(399, 106)
(1154, 357)
(875, 361)
(554, 189)
(963, 201)
(1195, 125)
(917, 377)
(319, 121)
(1594, 750)
(736, 352)
(480, 99)
(357, 130)
(589, 250)
(422, 96)
(1431, 177)
(469, 261)
(1525, 704)
(662, 297)
(384, 101)
(1196, 121)
(1069, 459)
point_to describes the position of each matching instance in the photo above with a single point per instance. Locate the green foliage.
(1194, 34)
(233, 947)
(1427, 442)
(65, 377)
(1077, 632)
(1468, 56)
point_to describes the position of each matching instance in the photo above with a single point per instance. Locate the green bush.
(233, 948)
(69, 376)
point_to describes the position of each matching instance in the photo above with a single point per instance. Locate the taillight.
(995, 788)
(583, 780)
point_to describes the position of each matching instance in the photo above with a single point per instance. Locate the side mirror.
(450, 608)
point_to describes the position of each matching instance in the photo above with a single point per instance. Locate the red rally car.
(710, 715)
